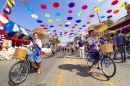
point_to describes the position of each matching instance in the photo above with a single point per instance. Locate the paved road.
(66, 70)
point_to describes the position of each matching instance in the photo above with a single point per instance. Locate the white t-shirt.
(92, 40)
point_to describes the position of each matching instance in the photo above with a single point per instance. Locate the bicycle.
(20, 73)
(106, 61)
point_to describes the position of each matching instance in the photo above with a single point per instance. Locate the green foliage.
(109, 22)
(76, 38)
(55, 40)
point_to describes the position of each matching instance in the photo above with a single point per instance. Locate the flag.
(1, 38)
(6, 9)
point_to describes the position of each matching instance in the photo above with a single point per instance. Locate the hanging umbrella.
(43, 35)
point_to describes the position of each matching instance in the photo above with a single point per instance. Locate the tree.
(109, 22)
(56, 40)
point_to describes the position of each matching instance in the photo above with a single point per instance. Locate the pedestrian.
(81, 48)
(120, 43)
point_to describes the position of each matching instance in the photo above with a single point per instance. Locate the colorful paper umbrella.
(91, 16)
(103, 21)
(79, 31)
(68, 23)
(75, 24)
(51, 26)
(58, 19)
(42, 25)
(97, 23)
(47, 15)
(60, 25)
(109, 11)
(50, 20)
(10, 3)
(70, 11)
(102, 17)
(6, 9)
(83, 25)
(71, 30)
(115, 11)
(71, 5)
(78, 21)
(69, 18)
(100, 0)
(96, 9)
(4, 18)
(80, 14)
(57, 14)
(114, 2)
(87, 22)
(29, 9)
(66, 28)
(121, 5)
(56, 5)
(34, 16)
(84, 7)
(43, 6)
(109, 16)
(39, 21)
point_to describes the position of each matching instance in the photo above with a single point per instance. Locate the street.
(66, 70)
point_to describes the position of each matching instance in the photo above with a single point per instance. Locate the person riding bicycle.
(93, 46)
(35, 60)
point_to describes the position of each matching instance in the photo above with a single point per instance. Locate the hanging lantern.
(110, 33)
(114, 2)
(102, 17)
(80, 14)
(58, 19)
(84, 7)
(69, 18)
(10, 3)
(91, 16)
(121, 5)
(4, 18)
(124, 28)
(96, 9)
(70, 11)
(43, 6)
(128, 27)
(109, 16)
(50, 20)
(109, 11)
(115, 11)
(87, 22)
(47, 15)
(71, 5)
(6, 9)
(34, 16)
(55, 4)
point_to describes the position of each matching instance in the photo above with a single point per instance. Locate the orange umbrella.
(115, 11)
(75, 24)
(87, 22)
(60, 25)
(71, 30)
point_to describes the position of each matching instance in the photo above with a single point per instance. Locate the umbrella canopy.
(43, 35)
(98, 27)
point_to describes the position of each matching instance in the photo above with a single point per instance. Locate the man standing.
(81, 48)
(120, 42)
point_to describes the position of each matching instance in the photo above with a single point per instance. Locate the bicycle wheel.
(108, 66)
(89, 62)
(18, 72)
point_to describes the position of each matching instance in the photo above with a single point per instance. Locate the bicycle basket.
(20, 53)
(106, 48)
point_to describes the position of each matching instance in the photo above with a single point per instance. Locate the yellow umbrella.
(128, 34)
(102, 28)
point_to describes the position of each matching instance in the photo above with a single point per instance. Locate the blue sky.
(20, 16)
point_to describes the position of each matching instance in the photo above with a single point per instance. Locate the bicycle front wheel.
(108, 66)
(18, 72)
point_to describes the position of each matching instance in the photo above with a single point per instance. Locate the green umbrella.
(80, 14)
(47, 15)
(58, 19)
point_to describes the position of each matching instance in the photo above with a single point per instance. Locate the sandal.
(99, 68)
